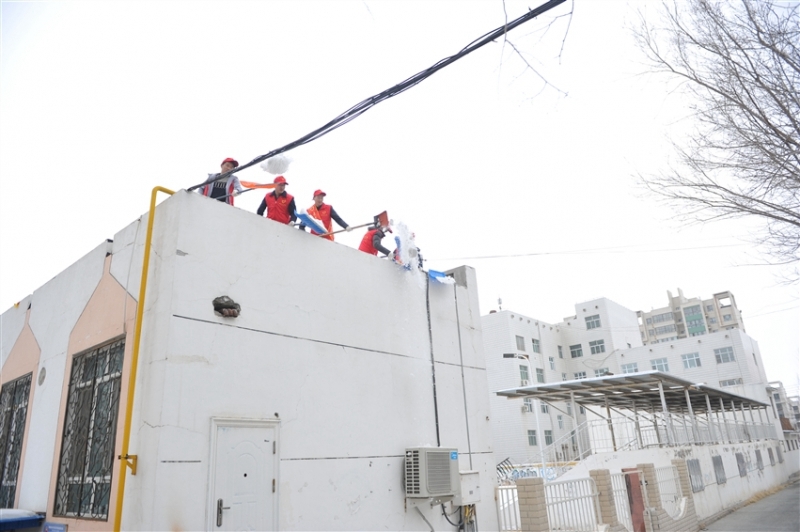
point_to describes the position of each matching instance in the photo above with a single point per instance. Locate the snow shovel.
(379, 220)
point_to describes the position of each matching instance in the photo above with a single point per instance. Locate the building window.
(698, 333)
(600, 372)
(658, 318)
(664, 329)
(582, 410)
(724, 354)
(536, 346)
(520, 343)
(709, 307)
(691, 311)
(759, 460)
(545, 409)
(659, 364)
(90, 427)
(569, 409)
(539, 375)
(532, 438)
(552, 363)
(692, 360)
(13, 414)
(730, 382)
(633, 367)
(563, 376)
(560, 421)
(576, 351)
(726, 317)
(719, 469)
(527, 403)
(771, 456)
(649, 320)
(523, 373)
(560, 352)
(712, 320)
(548, 437)
(597, 346)
(593, 322)
(580, 375)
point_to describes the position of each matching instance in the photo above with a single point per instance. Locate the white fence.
(507, 509)
(572, 505)
(619, 487)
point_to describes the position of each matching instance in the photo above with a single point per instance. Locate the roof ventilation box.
(432, 472)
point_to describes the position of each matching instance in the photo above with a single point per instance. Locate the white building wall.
(332, 342)
(342, 349)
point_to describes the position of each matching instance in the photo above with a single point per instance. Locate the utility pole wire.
(403, 86)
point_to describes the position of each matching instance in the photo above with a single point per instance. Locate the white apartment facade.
(602, 337)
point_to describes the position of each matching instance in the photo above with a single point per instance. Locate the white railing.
(669, 487)
(508, 518)
(619, 488)
(572, 505)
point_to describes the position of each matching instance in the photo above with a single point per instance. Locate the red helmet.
(231, 160)
(280, 180)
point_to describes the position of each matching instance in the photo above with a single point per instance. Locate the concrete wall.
(333, 343)
(340, 349)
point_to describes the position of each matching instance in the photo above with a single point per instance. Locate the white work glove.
(348, 228)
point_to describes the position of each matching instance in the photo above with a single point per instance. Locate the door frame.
(216, 423)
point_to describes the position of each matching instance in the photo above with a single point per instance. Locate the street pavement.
(779, 512)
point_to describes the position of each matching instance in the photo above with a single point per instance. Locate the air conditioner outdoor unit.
(523, 382)
(432, 472)
(525, 408)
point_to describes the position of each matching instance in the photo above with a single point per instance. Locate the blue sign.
(54, 527)
(453, 455)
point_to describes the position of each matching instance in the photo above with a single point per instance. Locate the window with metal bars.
(13, 414)
(86, 463)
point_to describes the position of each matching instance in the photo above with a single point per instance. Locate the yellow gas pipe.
(127, 460)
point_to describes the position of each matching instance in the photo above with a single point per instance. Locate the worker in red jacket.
(371, 243)
(279, 204)
(324, 213)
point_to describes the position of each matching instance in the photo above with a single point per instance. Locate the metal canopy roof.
(634, 390)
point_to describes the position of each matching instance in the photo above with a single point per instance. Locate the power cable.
(367, 104)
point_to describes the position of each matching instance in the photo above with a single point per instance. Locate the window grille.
(759, 460)
(695, 475)
(742, 464)
(90, 427)
(719, 469)
(771, 456)
(13, 414)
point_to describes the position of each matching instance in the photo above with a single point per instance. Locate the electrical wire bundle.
(365, 105)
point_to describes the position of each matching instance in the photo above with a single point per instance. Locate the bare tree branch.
(739, 62)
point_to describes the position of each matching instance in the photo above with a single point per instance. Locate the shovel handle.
(343, 230)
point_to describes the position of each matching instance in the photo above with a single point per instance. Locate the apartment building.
(602, 338)
(688, 317)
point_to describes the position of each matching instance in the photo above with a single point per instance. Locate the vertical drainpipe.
(128, 460)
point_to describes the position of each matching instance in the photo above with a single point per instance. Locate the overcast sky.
(534, 185)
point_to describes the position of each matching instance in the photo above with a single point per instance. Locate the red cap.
(280, 179)
(230, 160)
(318, 192)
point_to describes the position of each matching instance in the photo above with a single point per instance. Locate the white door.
(243, 476)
